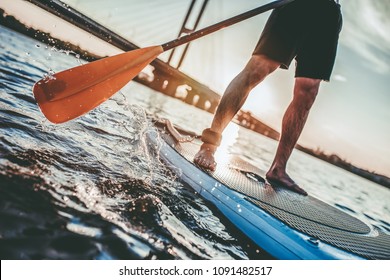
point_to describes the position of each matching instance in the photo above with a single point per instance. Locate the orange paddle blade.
(74, 92)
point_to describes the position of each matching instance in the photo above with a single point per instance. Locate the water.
(89, 189)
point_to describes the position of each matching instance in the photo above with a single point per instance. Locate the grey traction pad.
(303, 213)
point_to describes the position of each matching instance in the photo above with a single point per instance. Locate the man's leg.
(258, 67)
(305, 92)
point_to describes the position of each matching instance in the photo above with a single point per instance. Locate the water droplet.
(314, 241)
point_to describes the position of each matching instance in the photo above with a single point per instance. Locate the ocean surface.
(89, 188)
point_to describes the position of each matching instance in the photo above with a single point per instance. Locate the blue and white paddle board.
(283, 223)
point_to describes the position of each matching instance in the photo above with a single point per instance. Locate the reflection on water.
(90, 189)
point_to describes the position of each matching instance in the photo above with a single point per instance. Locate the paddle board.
(283, 223)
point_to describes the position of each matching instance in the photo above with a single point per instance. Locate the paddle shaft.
(225, 23)
(74, 92)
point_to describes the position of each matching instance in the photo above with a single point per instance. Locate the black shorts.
(307, 30)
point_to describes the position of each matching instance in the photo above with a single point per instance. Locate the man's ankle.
(209, 147)
(276, 170)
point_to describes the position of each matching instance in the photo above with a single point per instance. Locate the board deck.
(285, 224)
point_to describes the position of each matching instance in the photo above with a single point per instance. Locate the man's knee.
(259, 67)
(306, 90)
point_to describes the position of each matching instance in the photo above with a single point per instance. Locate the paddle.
(74, 92)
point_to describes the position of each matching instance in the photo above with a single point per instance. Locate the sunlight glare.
(261, 100)
(229, 138)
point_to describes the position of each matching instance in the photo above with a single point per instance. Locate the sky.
(351, 116)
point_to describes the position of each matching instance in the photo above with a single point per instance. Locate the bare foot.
(281, 179)
(205, 157)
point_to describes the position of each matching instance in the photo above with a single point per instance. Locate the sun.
(229, 139)
(261, 101)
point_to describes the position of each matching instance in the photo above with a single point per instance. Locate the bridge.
(166, 78)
